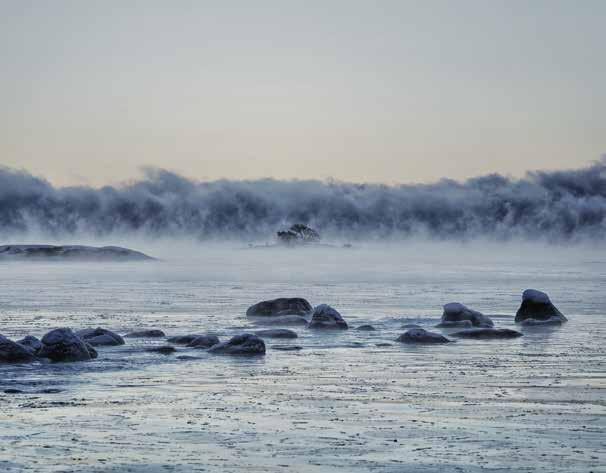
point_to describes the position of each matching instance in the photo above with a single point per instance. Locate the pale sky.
(388, 91)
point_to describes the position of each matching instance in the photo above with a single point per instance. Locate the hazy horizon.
(393, 92)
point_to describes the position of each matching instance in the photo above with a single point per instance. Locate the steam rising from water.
(555, 206)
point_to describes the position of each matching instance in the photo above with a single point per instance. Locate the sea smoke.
(546, 205)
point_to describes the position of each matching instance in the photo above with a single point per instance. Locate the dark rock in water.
(455, 312)
(455, 324)
(279, 307)
(487, 333)
(148, 333)
(381, 345)
(281, 320)
(13, 391)
(366, 328)
(287, 347)
(62, 344)
(298, 234)
(419, 335)
(184, 339)
(537, 306)
(245, 344)
(13, 352)
(100, 337)
(31, 343)
(72, 252)
(325, 317)
(276, 333)
(551, 321)
(204, 341)
(410, 326)
(163, 350)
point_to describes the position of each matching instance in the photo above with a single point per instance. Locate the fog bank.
(555, 206)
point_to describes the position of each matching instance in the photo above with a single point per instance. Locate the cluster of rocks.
(298, 234)
(65, 345)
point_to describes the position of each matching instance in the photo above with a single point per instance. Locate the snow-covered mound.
(72, 252)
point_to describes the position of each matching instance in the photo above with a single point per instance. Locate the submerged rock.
(456, 312)
(100, 337)
(13, 352)
(72, 252)
(287, 347)
(276, 333)
(245, 344)
(325, 317)
(455, 324)
(146, 333)
(487, 333)
(204, 341)
(279, 307)
(282, 320)
(62, 344)
(163, 350)
(410, 326)
(184, 339)
(366, 328)
(537, 306)
(419, 335)
(31, 343)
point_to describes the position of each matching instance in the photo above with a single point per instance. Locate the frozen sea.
(341, 403)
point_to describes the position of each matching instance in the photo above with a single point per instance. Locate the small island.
(71, 252)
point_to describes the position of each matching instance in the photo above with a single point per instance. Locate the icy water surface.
(341, 403)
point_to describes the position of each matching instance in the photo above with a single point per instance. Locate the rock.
(276, 333)
(410, 326)
(537, 322)
(184, 339)
(325, 317)
(13, 391)
(31, 343)
(204, 341)
(245, 344)
(71, 252)
(382, 345)
(62, 344)
(455, 312)
(282, 320)
(419, 335)
(366, 328)
(279, 307)
(147, 333)
(163, 350)
(13, 352)
(455, 324)
(100, 337)
(487, 333)
(287, 347)
(537, 305)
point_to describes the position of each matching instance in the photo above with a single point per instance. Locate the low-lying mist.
(552, 206)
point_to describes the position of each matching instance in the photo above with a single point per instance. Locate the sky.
(92, 92)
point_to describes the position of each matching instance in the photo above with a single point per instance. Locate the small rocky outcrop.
(455, 324)
(456, 312)
(325, 317)
(62, 344)
(298, 234)
(147, 333)
(71, 252)
(276, 333)
(280, 307)
(31, 343)
(537, 309)
(366, 328)
(487, 333)
(13, 352)
(420, 335)
(246, 344)
(100, 337)
(204, 341)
